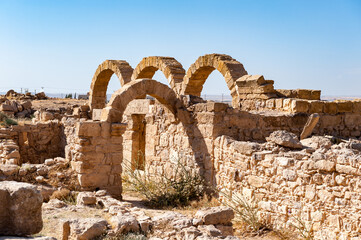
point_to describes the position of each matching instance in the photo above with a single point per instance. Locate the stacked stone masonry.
(321, 188)
(32, 143)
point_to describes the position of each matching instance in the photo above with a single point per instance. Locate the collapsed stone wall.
(320, 188)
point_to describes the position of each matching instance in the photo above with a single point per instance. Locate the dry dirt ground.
(57, 103)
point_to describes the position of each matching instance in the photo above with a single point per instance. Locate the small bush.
(178, 188)
(246, 211)
(305, 232)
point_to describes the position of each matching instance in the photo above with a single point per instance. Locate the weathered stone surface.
(310, 125)
(210, 230)
(9, 169)
(86, 198)
(84, 228)
(171, 220)
(246, 148)
(215, 215)
(21, 215)
(124, 223)
(325, 165)
(316, 142)
(285, 139)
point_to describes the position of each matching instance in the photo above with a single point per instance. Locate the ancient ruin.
(249, 146)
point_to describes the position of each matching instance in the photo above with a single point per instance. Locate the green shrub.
(6, 121)
(178, 188)
(70, 95)
(10, 121)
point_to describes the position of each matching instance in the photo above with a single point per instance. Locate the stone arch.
(113, 112)
(171, 68)
(104, 72)
(199, 71)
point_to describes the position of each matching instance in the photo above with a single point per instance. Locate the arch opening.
(200, 70)
(101, 78)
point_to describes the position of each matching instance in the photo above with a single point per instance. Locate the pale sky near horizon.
(299, 44)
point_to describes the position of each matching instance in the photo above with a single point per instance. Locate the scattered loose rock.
(284, 138)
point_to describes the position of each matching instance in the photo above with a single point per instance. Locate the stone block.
(270, 104)
(287, 104)
(356, 107)
(289, 175)
(310, 125)
(250, 80)
(315, 94)
(324, 165)
(279, 103)
(96, 114)
(124, 224)
(343, 107)
(330, 108)
(215, 215)
(88, 129)
(266, 88)
(256, 181)
(86, 198)
(117, 129)
(303, 93)
(22, 209)
(84, 228)
(299, 106)
(92, 180)
(246, 148)
(316, 106)
(216, 106)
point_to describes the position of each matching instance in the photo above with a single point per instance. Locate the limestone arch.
(172, 69)
(113, 112)
(101, 78)
(199, 71)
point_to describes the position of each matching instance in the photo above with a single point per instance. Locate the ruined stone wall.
(295, 105)
(322, 189)
(95, 151)
(36, 142)
(167, 139)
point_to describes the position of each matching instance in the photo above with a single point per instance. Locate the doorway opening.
(138, 141)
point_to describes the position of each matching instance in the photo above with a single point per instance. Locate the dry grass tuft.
(65, 195)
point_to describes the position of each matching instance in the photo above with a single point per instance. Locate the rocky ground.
(90, 217)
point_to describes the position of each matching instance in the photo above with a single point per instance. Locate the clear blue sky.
(300, 44)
